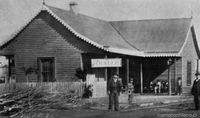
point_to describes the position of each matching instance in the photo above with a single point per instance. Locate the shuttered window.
(189, 73)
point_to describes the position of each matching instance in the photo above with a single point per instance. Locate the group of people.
(115, 85)
(157, 87)
(162, 86)
(114, 89)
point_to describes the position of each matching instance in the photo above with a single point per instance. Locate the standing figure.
(179, 86)
(158, 87)
(114, 88)
(151, 87)
(130, 91)
(196, 91)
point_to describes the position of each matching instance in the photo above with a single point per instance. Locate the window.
(189, 73)
(46, 69)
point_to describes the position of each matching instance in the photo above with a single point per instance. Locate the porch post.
(169, 77)
(127, 69)
(175, 84)
(169, 80)
(141, 79)
(118, 70)
(106, 70)
(106, 75)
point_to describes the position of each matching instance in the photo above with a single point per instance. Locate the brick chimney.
(73, 7)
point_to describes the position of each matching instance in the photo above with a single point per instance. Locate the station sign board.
(109, 62)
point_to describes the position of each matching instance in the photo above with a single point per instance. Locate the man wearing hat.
(196, 90)
(114, 88)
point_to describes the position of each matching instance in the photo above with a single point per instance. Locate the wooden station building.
(56, 42)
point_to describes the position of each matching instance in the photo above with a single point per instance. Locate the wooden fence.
(63, 87)
(100, 89)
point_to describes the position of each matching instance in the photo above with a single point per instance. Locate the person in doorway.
(179, 86)
(196, 90)
(114, 88)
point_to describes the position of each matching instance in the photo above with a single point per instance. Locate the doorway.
(46, 69)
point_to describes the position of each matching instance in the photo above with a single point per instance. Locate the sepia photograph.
(99, 58)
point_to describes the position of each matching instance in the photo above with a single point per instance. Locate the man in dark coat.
(196, 91)
(114, 88)
(179, 86)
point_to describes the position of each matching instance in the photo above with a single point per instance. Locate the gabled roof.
(144, 38)
(98, 31)
(94, 31)
(18, 29)
(155, 36)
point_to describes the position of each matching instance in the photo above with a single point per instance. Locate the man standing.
(130, 91)
(196, 91)
(179, 87)
(158, 87)
(114, 88)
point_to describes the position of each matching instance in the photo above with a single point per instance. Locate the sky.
(130, 9)
(16, 13)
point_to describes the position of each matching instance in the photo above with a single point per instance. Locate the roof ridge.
(130, 20)
(79, 14)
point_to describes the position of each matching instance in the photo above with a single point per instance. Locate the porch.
(145, 72)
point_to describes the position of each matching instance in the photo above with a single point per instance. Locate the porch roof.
(171, 54)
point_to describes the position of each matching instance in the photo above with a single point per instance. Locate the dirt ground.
(176, 111)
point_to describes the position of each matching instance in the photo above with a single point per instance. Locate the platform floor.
(141, 99)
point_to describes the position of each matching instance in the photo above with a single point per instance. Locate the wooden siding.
(175, 73)
(45, 37)
(189, 54)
